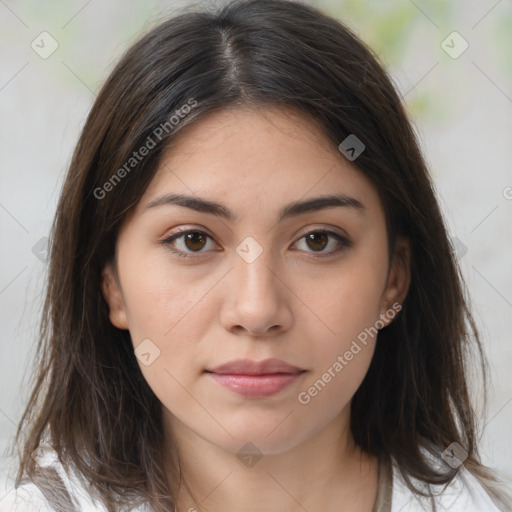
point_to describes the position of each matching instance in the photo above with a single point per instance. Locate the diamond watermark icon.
(44, 455)
(454, 45)
(249, 454)
(249, 249)
(351, 147)
(147, 352)
(454, 455)
(459, 249)
(40, 249)
(44, 45)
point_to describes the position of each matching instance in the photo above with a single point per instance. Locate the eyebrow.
(290, 210)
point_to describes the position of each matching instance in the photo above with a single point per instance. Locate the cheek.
(159, 293)
(341, 361)
(345, 300)
(346, 304)
(171, 306)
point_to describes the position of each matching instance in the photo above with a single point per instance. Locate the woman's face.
(255, 279)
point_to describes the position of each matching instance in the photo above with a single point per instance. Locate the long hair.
(89, 394)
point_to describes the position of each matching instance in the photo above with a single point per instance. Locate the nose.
(257, 300)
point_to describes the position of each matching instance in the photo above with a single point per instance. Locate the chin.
(265, 438)
(258, 445)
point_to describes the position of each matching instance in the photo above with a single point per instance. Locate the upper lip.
(250, 367)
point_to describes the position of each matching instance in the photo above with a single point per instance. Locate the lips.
(249, 367)
(256, 379)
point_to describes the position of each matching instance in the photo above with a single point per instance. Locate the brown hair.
(101, 415)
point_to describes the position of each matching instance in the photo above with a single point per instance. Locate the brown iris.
(192, 239)
(317, 238)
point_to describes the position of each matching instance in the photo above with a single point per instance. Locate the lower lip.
(256, 386)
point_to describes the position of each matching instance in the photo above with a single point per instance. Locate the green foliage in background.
(390, 27)
(405, 35)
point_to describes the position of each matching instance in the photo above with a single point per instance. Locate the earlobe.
(398, 283)
(113, 297)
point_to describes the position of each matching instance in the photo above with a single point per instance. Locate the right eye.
(188, 242)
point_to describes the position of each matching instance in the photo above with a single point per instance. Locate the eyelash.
(345, 242)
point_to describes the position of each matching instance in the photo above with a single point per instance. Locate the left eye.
(193, 241)
(319, 240)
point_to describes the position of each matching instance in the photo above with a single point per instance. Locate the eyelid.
(326, 228)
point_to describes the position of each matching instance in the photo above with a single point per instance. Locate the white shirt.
(464, 494)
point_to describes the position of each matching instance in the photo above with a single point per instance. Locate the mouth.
(256, 379)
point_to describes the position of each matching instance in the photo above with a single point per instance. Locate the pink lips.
(256, 379)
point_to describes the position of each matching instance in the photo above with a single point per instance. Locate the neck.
(326, 472)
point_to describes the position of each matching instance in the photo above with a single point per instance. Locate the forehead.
(255, 159)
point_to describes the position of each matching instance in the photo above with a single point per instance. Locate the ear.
(398, 282)
(112, 293)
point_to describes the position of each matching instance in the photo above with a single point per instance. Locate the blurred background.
(451, 62)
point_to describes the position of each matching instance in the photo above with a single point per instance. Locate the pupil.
(191, 239)
(313, 237)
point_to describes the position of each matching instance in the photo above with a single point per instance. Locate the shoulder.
(463, 494)
(53, 490)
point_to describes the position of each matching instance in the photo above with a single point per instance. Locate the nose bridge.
(254, 267)
(256, 300)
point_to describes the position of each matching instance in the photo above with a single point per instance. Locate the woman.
(252, 300)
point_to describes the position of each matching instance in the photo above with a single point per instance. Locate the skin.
(289, 303)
